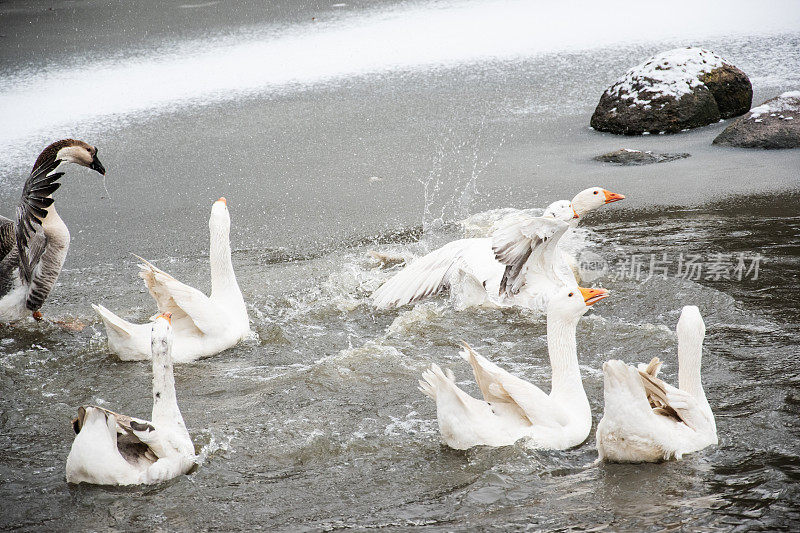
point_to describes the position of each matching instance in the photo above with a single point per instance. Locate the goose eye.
(595, 192)
(570, 295)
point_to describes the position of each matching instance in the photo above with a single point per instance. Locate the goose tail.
(623, 391)
(434, 378)
(114, 324)
(431, 380)
(129, 341)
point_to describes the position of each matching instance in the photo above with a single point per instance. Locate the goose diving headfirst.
(512, 408)
(511, 267)
(34, 246)
(114, 449)
(646, 419)
(204, 325)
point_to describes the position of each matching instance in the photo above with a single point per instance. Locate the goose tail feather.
(114, 324)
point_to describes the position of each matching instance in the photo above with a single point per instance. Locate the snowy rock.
(673, 91)
(628, 157)
(773, 124)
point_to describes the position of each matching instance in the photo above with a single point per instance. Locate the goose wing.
(425, 276)
(32, 208)
(521, 243)
(131, 432)
(7, 238)
(497, 385)
(651, 369)
(670, 401)
(181, 300)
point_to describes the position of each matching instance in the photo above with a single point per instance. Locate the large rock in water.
(673, 91)
(773, 124)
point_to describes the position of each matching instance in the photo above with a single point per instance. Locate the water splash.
(451, 185)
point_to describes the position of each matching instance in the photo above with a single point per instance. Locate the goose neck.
(165, 402)
(223, 278)
(690, 353)
(564, 357)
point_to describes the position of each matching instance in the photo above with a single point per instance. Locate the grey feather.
(31, 210)
(7, 238)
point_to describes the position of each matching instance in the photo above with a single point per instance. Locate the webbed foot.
(71, 325)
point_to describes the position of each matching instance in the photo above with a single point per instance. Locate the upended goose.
(204, 325)
(512, 408)
(482, 271)
(114, 449)
(648, 420)
(33, 248)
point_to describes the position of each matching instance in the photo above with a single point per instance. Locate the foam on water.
(411, 424)
(215, 444)
(419, 317)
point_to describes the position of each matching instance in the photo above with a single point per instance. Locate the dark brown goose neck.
(49, 154)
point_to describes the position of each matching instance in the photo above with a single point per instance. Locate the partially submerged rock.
(773, 124)
(629, 157)
(673, 91)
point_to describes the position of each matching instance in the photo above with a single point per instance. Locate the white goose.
(114, 449)
(468, 266)
(481, 271)
(203, 325)
(512, 408)
(648, 420)
(33, 248)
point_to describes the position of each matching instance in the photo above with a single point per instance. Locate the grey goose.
(33, 247)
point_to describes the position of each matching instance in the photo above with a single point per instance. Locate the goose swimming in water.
(33, 248)
(504, 269)
(646, 419)
(114, 449)
(512, 408)
(204, 325)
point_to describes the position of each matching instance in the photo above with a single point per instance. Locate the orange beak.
(592, 296)
(166, 316)
(575, 213)
(612, 196)
(224, 201)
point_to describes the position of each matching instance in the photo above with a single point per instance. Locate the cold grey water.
(336, 129)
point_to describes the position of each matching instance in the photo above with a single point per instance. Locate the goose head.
(161, 340)
(72, 151)
(571, 303)
(592, 198)
(219, 224)
(562, 210)
(691, 327)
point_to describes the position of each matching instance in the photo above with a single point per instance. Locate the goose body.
(520, 264)
(113, 449)
(34, 246)
(474, 271)
(204, 325)
(646, 419)
(513, 408)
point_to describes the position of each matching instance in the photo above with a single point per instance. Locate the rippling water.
(316, 423)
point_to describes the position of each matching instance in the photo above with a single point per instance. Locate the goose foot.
(71, 325)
